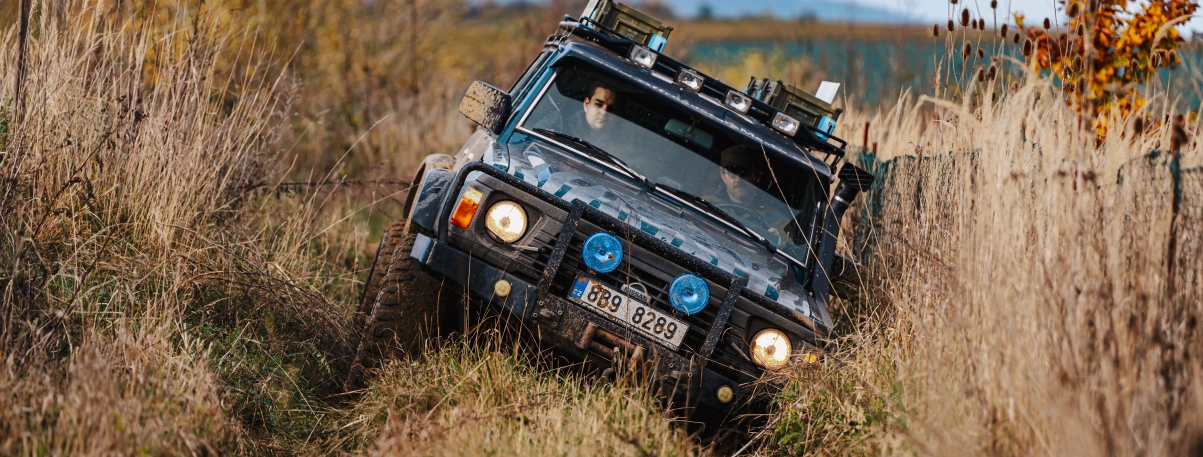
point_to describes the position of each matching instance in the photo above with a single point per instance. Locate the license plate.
(637, 315)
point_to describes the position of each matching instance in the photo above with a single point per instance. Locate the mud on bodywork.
(537, 164)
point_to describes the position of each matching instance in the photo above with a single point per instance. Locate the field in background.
(179, 271)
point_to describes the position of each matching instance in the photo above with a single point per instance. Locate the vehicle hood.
(566, 176)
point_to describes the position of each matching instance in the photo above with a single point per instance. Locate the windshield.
(584, 108)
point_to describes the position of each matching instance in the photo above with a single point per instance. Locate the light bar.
(692, 80)
(642, 56)
(785, 124)
(738, 101)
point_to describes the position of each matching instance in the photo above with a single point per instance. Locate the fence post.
(1171, 253)
(22, 36)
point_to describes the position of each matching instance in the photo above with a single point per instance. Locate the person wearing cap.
(744, 173)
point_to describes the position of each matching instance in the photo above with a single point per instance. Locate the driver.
(594, 123)
(743, 172)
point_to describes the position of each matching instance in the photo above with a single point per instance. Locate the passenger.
(744, 173)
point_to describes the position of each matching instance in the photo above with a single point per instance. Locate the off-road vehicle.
(630, 211)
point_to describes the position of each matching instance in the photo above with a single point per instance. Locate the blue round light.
(602, 252)
(689, 294)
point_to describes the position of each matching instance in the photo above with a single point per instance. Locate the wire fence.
(291, 187)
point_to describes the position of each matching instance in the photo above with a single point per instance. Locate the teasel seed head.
(1047, 24)
(935, 30)
(1073, 9)
(965, 17)
(1016, 39)
(966, 51)
(950, 26)
(1027, 48)
(981, 54)
(1003, 31)
(993, 4)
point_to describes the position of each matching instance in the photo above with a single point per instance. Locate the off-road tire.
(384, 256)
(404, 312)
(398, 290)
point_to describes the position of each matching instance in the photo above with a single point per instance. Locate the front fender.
(424, 211)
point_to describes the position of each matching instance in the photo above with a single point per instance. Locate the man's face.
(738, 190)
(596, 106)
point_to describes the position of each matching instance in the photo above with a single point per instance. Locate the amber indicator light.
(466, 209)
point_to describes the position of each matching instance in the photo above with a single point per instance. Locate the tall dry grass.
(1033, 293)
(155, 300)
(85, 372)
(166, 290)
(162, 294)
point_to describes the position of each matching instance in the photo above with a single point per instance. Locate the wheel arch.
(427, 190)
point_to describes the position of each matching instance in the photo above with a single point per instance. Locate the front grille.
(533, 258)
(528, 260)
(631, 270)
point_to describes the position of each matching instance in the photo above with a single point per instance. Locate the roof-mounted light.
(642, 56)
(690, 79)
(785, 124)
(738, 101)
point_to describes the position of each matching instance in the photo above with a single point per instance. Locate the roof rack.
(796, 103)
(625, 21)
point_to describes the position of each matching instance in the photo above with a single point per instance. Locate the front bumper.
(577, 330)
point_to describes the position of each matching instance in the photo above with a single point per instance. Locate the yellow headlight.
(506, 221)
(771, 349)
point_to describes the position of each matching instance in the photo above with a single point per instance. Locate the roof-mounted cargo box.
(628, 22)
(796, 103)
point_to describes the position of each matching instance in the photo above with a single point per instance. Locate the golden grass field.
(172, 282)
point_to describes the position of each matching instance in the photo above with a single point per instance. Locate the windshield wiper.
(719, 213)
(600, 154)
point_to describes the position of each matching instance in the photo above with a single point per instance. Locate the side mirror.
(487, 106)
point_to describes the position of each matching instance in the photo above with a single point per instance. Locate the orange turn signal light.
(465, 210)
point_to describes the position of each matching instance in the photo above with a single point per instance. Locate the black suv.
(631, 212)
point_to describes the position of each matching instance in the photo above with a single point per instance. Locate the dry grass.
(1026, 301)
(162, 295)
(457, 399)
(103, 188)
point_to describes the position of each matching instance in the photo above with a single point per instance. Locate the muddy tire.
(405, 311)
(400, 305)
(384, 256)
